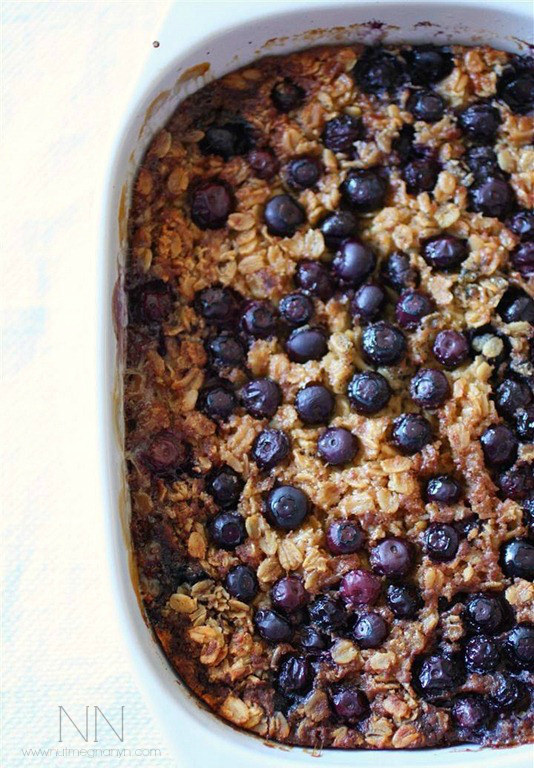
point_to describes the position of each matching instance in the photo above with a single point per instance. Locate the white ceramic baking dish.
(198, 42)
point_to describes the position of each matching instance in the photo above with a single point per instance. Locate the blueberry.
(429, 388)
(227, 530)
(360, 587)
(294, 676)
(263, 163)
(241, 583)
(340, 133)
(303, 172)
(225, 486)
(443, 489)
(306, 344)
(403, 600)
(426, 105)
(402, 146)
(517, 559)
(364, 190)
(518, 93)
(480, 122)
(287, 95)
(337, 227)
(353, 263)
(368, 392)
(377, 71)
(411, 308)
(383, 344)
(344, 537)
(261, 398)
(522, 224)
(436, 675)
(337, 446)
(296, 309)
(370, 630)
(511, 395)
(421, 174)
(289, 595)
(524, 424)
(226, 351)
(484, 613)
(410, 433)
(211, 202)
(471, 712)
(312, 640)
(368, 302)
(283, 215)
(218, 306)
(392, 557)
(482, 161)
(518, 646)
(516, 306)
(350, 704)
(398, 273)
(232, 138)
(327, 613)
(272, 627)
(522, 259)
(493, 197)
(451, 349)
(270, 448)
(314, 404)
(444, 251)
(217, 401)
(507, 694)
(441, 542)
(167, 454)
(314, 278)
(286, 507)
(150, 303)
(259, 319)
(428, 64)
(499, 445)
(482, 654)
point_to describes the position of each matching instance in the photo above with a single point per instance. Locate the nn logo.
(92, 725)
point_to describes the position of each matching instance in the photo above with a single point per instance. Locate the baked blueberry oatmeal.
(329, 396)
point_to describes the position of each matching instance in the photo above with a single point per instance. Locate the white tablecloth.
(68, 70)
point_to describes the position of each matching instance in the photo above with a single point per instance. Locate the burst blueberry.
(211, 202)
(259, 319)
(270, 448)
(340, 133)
(314, 277)
(224, 484)
(286, 95)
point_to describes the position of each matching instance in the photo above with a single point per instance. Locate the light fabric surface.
(68, 71)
